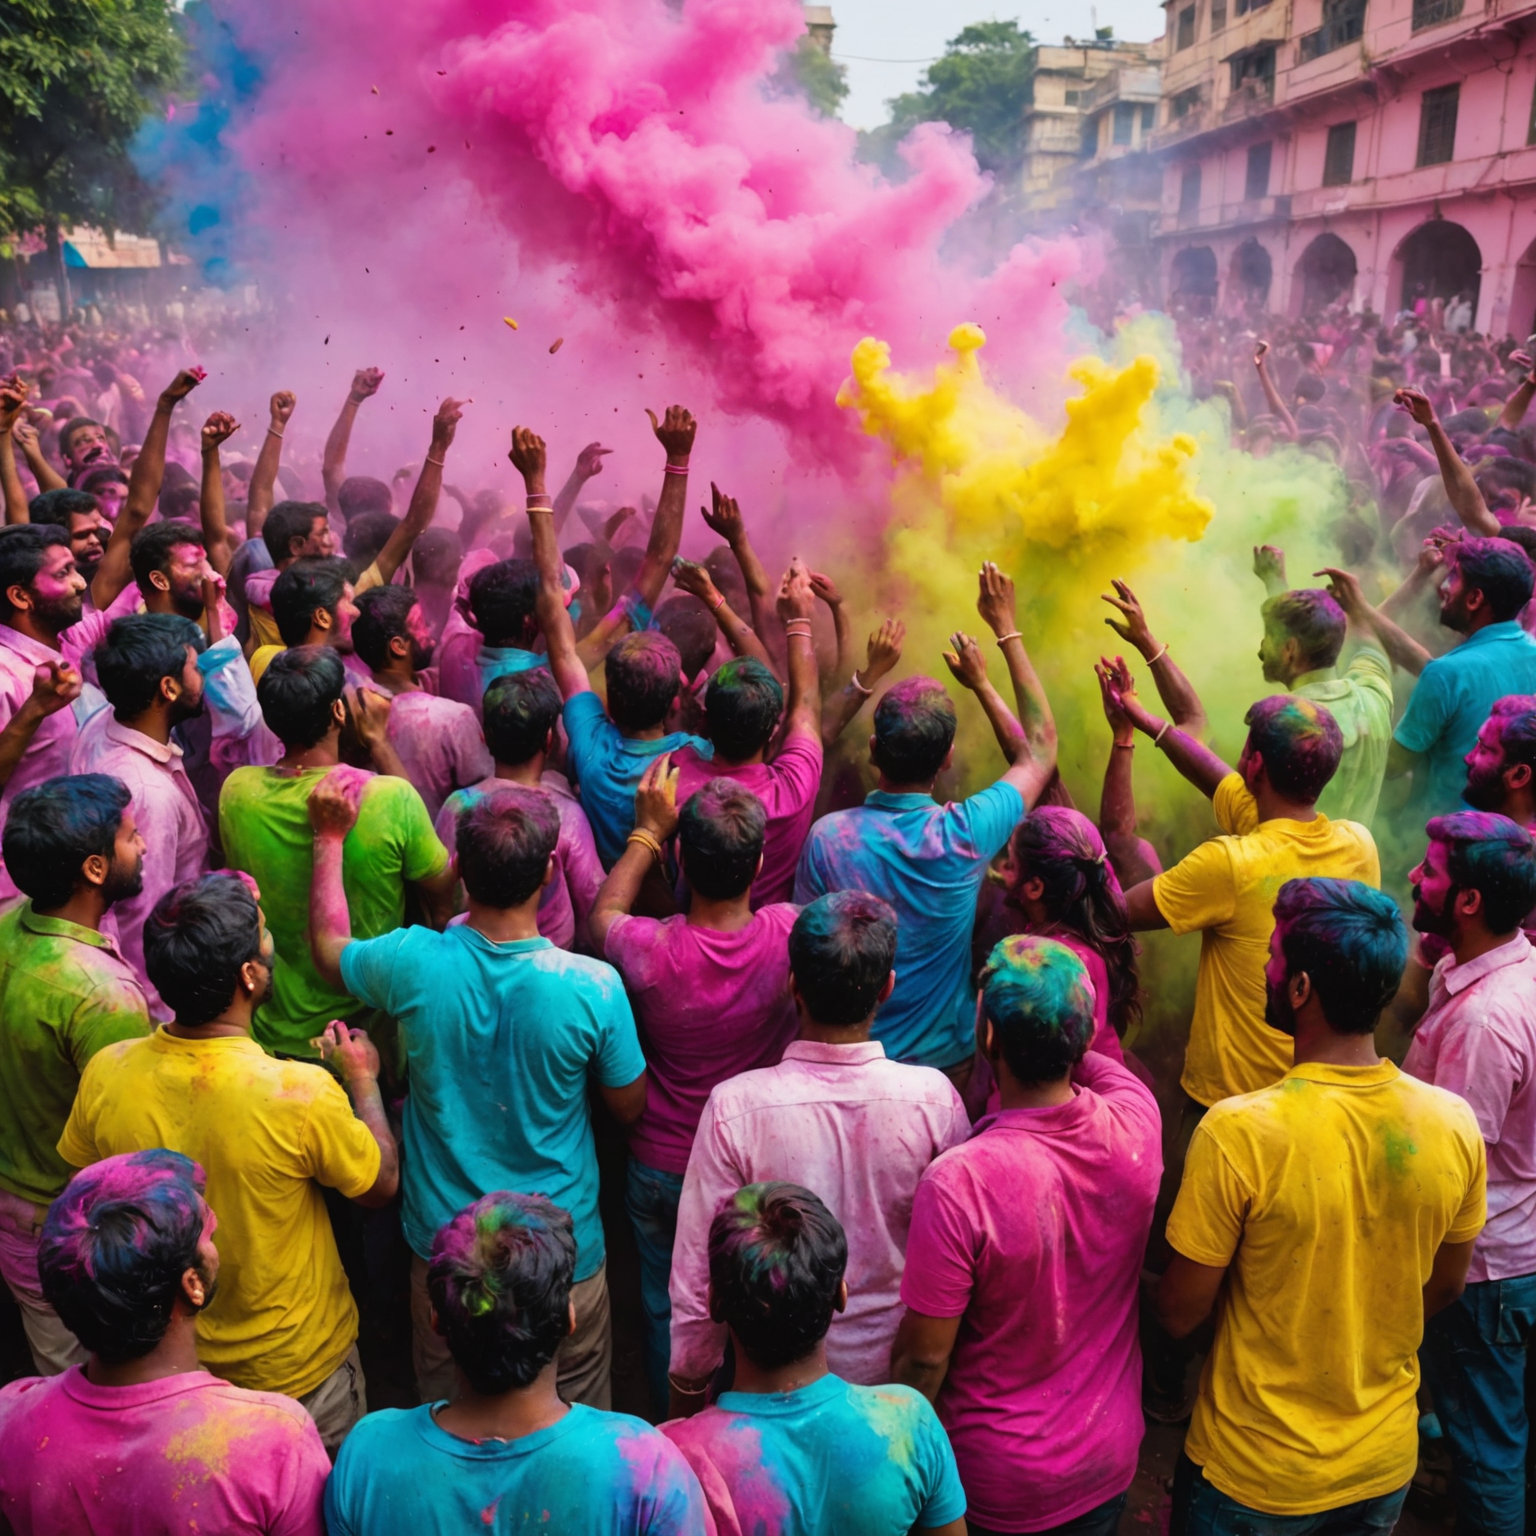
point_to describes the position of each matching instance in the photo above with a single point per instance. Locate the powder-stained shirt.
(1226, 889)
(858, 1130)
(590, 1472)
(65, 993)
(182, 1456)
(833, 1457)
(928, 862)
(264, 827)
(1452, 698)
(787, 788)
(1031, 1233)
(1361, 703)
(269, 1133)
(710, 1005)
(1478, 1040)
(608, 767)
(440, 745)
(565, 908)
(169, 819)
(500, 1040)
(1325, 1198)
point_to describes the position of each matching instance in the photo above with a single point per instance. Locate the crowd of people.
(360, 870)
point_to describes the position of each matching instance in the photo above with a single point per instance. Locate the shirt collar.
(25, 646)
(126, 736)
(1311, 679)
(1457, 978)
(1505, 629)
(854, 1055)
(883, 800)
(1346, 1077)
(62, 928)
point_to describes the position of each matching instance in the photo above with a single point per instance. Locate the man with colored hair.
(928, 861)
(502, 1035)
(711, 992)
(1501, 767)
(1305, 633)
(271, 1133)
(65, 993)
(264, 828)
(143, 1437)
(776, 1452)
(834, 1115)
(1024, 1261)
(1474, 889)
(506, 1451)
(314, 603)
(1333, 1212)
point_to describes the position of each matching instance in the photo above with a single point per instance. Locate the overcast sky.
(915, 31)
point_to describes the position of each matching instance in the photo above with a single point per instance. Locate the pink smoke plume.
(618, 159)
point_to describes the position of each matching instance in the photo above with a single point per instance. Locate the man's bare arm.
(880, 657)
(333, 466)
(13, 401)
(589, 462)
(429, 485)
(219, 428)
(1277, 405)
(1189, 755)
(260, 493)
(1186, 1294)
(1460, 488)
(1401, 648)
(1173, 688)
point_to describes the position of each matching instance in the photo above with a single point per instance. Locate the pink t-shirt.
(787, 787)
(710, 1005)
(181, 1456)
(440, 744)
(1032, 1234)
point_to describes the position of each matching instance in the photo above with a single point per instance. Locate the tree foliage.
(810, 72)
(76, 78)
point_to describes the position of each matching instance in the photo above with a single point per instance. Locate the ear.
(194, 1289)
(160, 581)
(1299, 989)
(1518, 776)
(949, 758)
(19, 598)
(549, 874)
(400, 646)
(872, 757)
(1255, 770)
(170, 689)
(1033, 889)
(1469, 903)
(887, 989)
(711, 1306)
(95, 869)
(321, 619)
(248, 977)
(841, 1303)
(339, 714)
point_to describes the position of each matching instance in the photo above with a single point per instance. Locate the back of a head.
(287, 521)
(1500, 570)
(1490, 854)
(841, 951)
(316, 581)
(742, 704)
(1310, 387)
(642, 672)
(505, 840)
(56, 508)
(1350, 940)
(500, 1280)
(1037, 994)
(435, 558)
(777, 1257)
(520, 710)
(360, 494)
(366, 535)
(382, 615)
(152, 546)
(114, 1248)
(503, 598)
(687, 622)
(142, 649)
(1300, 743)
(196, 939)
(298, 692)
(179, 501)
(721, 829)
(914, 730)
(54, 827)
(1310, 617)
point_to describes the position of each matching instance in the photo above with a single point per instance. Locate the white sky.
(918, 29)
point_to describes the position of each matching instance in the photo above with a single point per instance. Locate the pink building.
(1373, 150)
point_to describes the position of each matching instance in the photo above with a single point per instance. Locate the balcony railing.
(1346, 25)
(1253, 95)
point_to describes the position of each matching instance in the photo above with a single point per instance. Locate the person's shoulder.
(374, 1435)
(1427, 1102)
(906, 1081)
(906, 1406)
(27, 1395)
(631, 1436)
(777, 916)
(582, 972)
(269, 1412)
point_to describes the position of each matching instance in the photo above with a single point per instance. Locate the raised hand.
(692, 577)
(1116, 686)
(1260, 351)
(995, 599)
(528, 455)
(674, 431)
(1522, 360)
(725, 519)
(334, 801)
(55, 686)
(349, 1050)
(182, 386)
(281, 407)
(656, 799)
(1417, 404)
(589, 461)
(446, 423)
(1344, 588)
(365, 383)
(796, 600)
(13, 401)
(966, 661)
(219, 428)
(1132, 624)
(826, 589)
(1269, 563)
(370, 716)
(883, 651)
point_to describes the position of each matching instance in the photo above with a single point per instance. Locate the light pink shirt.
(858, 1130)
(440, 743)
(169, 818)
(1478, 1039)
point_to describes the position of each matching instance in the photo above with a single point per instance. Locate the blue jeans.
(1202, 1509)
(1473, 1357)
(1102, 1520)
(651, 1199)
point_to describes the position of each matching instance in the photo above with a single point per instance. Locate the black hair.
(505, 840)
(642, 676)
(287, 521)
(436, 557)
(140, 650)
(359, 495)
(520, 710)
(55, 508)
(687, 622)
(72, 426)
(841, 950)
(914, 730)
(1494, 856)
(742, 704)
(366, 535)
(1500, 570)
(721, 829)
(381, 617)
(503, 598)
(152, 546)
(311, 583)
(23, 552)
(1350, 940)
(54, 827)
(195, 941)
(297, 693)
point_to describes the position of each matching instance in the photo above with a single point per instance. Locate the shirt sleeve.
(338, 1494)
(990, 817)
(619, 1059)
(1199, 891)
(1235, 808)
(110, 1014)
(1371, 672)
(586, 723)
(77, 1145)
(797, 770)
(946, 1499)
(714, 1171)
(470, 758)
(297, 1507)
(1212, 1204)
(810, 879)
(339, 1149)
(421, 855)
(368, 968)
(940, 1271)
(1473, 1214)
(582, 867)
(447, 824)
(1429, 708)
(673, 1503)
(1476, 1064)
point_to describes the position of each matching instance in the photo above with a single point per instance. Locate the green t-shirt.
(264, 826)
(65, 993)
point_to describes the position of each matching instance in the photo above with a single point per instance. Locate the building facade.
(1372, 151)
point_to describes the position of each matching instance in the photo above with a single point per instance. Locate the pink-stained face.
(89, 445)
(1433, 889)
(1485, 767)
(419, 628)
(346, 612)
(321, 540)
(88, 535)
(185, 570)
(58, 589)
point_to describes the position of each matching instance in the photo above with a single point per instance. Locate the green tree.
(981, 85)
(76, 78)
(811, 72)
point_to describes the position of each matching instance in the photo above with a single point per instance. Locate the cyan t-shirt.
(590, 1474)
(830, 1457)
(1453, 697)
(500, 1040)
(928, 862)
(609, 767)
(495, 661)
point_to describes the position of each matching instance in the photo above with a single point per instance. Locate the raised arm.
(429, 485)
(655, 822)
(13, 401)
(1519, 402)
(881, 654)
(1277, 404)
(726, 520)
(55, 686)
(1035, 760)
(47, 477)
(333, 807)
(333, 467)
(1191, 757)
(1401, 648)
(259, 494)
(842, 626)
(796, 603)
(1173, 688)
(1269, 567)
(1117, 802)
(967, 662)
(219, 428)
(739, 635)
(1460, 488)
(589, 462)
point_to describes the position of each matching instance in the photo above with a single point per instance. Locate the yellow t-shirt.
(261, 659)
(268, 1134)
(1227, 889)
(263, 627)
(267, 642)
(1327, 1194)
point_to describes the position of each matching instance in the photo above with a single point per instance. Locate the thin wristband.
(438, 462)
(273, 432)
(677, 469)
(1125, 746)
(716, 607)
(683, 1391)
(1157, 740)
(1154, 660)
(1012, 634)
(853, 682)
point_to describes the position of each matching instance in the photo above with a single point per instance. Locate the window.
(1149, 116)
(1186, 33)
(1088, 146)
(1073, 97)
(1189, 191)
(1183, 104)
(1125, 121)
(1242, 7)
(1437, 125)
(1343, 22)
(1339, 160)
(1218, 15)
(1253, 73)
(1430, 13)
(1257, 182)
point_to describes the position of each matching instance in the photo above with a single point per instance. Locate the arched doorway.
(1522, 295)
(1250, 274)
(1440, 259)
(1192, 280)
(1325, 274)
